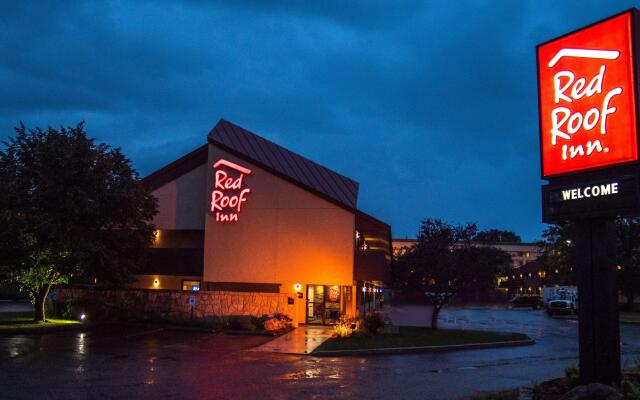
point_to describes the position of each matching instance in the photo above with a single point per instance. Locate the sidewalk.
(302, 340)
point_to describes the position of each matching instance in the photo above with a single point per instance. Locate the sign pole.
(599, 328)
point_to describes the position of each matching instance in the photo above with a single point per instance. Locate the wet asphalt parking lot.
(142, 362)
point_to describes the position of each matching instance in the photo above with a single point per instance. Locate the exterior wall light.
(82, 317)
(156, 283)
(297, 287)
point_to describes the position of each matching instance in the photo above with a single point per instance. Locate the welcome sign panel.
(587, 98)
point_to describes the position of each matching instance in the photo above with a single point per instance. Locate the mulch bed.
(556, 388)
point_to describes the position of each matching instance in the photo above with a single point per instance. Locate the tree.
(628, 257)
(444, 261)
(557, 257)
(70, 208)
(497, 236)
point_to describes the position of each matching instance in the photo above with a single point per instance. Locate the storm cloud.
(431, 106)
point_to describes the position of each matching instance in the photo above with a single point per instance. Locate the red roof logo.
(229, 193)
(587, 98)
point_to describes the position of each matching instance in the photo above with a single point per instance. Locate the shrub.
(94, 310)
(373, 321)
(346, 327)
(630, 390)
(241, 323)
(274, 324)
(258, 322)
(572, 373)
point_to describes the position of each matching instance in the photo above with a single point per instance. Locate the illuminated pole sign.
(229, 193)
(587, 91)
(587, 98)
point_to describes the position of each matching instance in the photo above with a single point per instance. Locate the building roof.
(177, 168)
(524, 244)
(533, 267)
(285, 163)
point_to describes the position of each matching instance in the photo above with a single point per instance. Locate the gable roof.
(177, 168)
(285, 163)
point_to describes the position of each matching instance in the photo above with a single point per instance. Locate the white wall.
(182, 202)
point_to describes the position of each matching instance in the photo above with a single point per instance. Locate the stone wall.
(174, 304)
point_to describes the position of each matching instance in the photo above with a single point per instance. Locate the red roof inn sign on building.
(588, 128)
(229, 193)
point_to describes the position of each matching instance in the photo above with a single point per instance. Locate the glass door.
(332, 304)
(324, 304)
(315, 304)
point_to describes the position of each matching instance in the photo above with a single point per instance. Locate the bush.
(373, 321)
(258, 322)
(630, 390)
(93, 309)
(346, 327)
(241, 323)
(572, 373)
(214, 322)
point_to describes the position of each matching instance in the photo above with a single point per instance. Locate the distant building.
(521, 253)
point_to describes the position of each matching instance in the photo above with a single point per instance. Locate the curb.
(251, 333)
(422, 349)
(43, 330)
(575, 318)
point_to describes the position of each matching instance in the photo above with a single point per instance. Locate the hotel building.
(243, 214)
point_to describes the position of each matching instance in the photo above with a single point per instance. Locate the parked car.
(566, 303)
(534, 302)
(552, 292)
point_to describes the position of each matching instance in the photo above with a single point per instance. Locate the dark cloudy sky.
(430, 105)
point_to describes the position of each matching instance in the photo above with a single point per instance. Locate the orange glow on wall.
(587, 98)
(229, 192)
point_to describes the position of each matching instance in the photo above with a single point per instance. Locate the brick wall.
(173, 304)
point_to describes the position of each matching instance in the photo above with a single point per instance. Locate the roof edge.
(282, 176)
(373, 219)
(176, 168)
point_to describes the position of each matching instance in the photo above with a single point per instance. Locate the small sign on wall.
(192, 300)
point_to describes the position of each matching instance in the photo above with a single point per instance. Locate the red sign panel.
(587, 98)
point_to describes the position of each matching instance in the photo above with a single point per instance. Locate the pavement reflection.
(144, 362)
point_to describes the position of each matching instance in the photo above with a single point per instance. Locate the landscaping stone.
(174, 304)
(593, 391)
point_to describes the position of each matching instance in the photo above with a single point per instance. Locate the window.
(191, 286)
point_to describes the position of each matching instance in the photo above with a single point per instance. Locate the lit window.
(191, 286)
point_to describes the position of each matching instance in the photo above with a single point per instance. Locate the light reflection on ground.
(142, 362)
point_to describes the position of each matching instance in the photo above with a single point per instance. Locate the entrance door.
(323, 304)
(315, 304)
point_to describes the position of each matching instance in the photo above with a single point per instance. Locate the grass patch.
(414, 336)
(22, 321)
(502, 395)
(630, 317)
